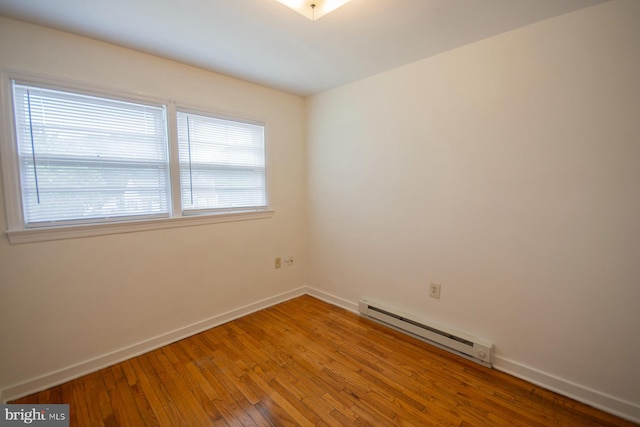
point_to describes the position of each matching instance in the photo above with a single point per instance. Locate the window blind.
(89, 159)
(222, 164)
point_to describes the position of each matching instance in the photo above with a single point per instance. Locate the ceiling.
(264, 42)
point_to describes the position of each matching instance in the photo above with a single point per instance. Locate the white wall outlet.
(289, 261)
(434, 290)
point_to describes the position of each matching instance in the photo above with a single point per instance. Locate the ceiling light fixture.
(314, 9)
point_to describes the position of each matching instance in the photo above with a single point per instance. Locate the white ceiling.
(264, 42)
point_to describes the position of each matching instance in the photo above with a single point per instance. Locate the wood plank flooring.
(308, 363)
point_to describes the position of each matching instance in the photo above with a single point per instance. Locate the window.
(87, 159)
(99, 164)
(221, 164)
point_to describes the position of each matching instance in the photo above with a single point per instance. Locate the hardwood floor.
(305, 362)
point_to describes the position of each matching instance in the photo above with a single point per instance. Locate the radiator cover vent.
(457, 343)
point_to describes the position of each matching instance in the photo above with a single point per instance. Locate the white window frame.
(16, 230)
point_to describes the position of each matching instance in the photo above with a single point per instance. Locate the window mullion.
(174, 161)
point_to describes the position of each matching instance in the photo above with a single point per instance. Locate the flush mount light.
(313, 9)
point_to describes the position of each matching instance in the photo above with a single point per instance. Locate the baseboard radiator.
(462, 345)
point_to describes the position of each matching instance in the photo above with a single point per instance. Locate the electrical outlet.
(434, 290)
(289, 261)
(277, 263)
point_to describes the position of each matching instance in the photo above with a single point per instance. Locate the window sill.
(79, 231)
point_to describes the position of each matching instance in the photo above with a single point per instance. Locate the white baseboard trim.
(92, 365)
(332, 299)
(611, 404)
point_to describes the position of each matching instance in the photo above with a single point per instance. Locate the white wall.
(508, 171)
(64, 302)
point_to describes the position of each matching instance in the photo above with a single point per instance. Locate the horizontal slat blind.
(89, 159)
(222, 164)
